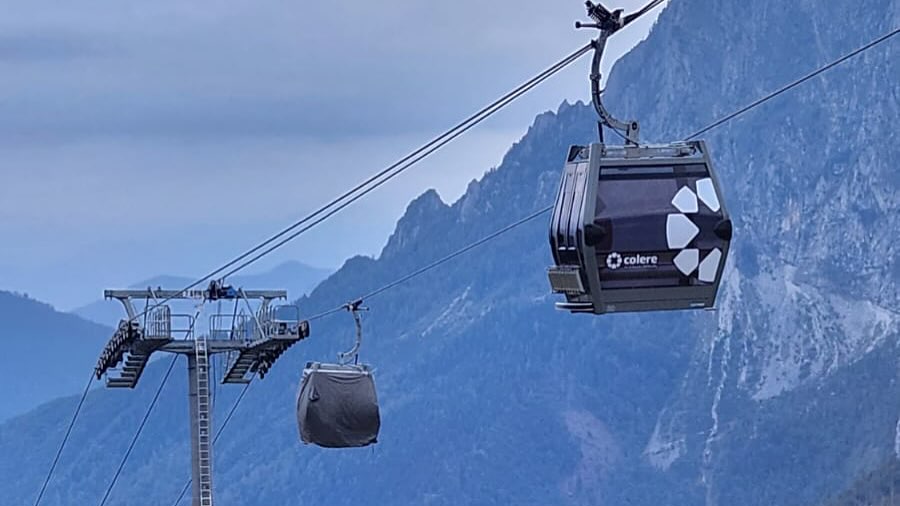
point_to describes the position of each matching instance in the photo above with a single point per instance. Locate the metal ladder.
(203, 425)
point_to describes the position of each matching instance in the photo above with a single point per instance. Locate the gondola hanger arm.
(608, 23)
(354, 308)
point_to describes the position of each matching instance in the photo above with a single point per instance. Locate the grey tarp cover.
(337, 406)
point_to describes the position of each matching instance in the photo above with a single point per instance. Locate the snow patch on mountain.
(599, 455)
(707, 467)
(795, 332)
(897, 439)
(459, 313)
(665, 447)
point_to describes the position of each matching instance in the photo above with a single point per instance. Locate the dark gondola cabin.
(638, 228)
(337, 406)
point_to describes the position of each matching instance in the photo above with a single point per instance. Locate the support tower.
(253, 335)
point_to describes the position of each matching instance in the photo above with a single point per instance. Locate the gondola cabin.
(337, 406)
(638, 228)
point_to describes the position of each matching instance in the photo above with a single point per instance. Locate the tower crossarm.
(192, 294)
(130, 347)
(259, 356)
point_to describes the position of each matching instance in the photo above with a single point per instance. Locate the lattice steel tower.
(254, 339)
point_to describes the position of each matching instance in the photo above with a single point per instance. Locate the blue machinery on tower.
(254, 335)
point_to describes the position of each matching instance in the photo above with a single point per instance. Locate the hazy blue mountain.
(878, 488)
(787, 394)
(295, 277)
(45, 353)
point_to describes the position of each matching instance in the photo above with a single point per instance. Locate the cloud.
(30, 48)
(262, 68)
(139, 138)
(114, 212)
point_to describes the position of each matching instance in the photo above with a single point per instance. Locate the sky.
(145, 138)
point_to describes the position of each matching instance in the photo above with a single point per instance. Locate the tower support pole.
(201, 479)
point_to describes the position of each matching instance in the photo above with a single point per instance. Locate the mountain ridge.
(37, 337)
(490, 396)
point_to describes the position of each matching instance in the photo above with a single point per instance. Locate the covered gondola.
(636, 227)
(337, 405)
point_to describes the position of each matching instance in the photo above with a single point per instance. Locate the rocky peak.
(421, 216)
